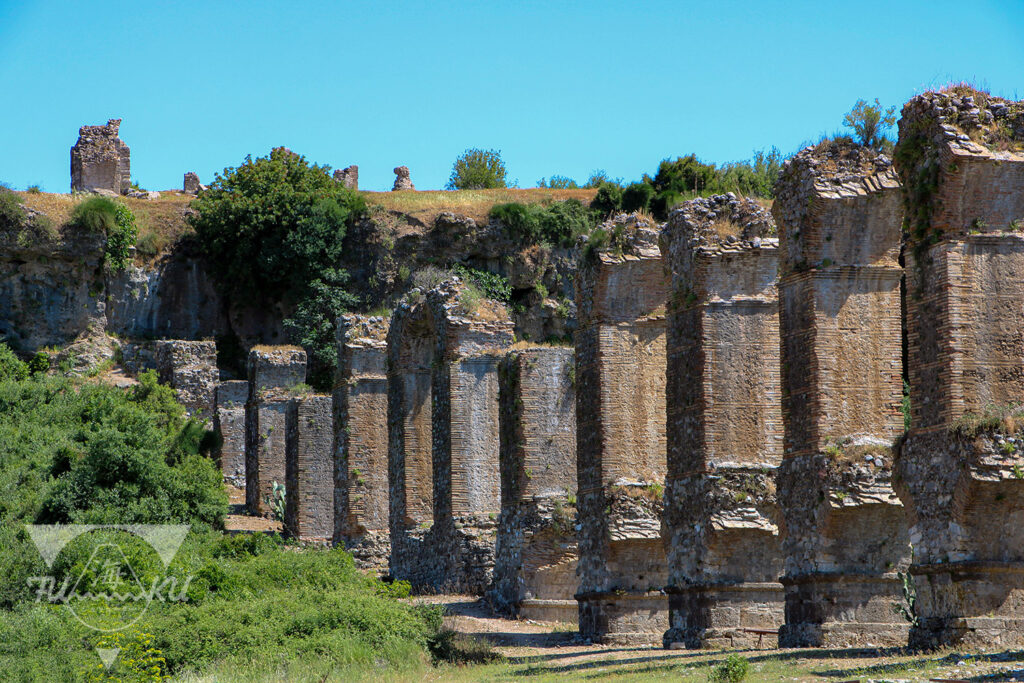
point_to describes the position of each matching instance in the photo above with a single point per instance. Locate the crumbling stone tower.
(535, 571)
(959, 470)
(620, 418)
(349, 177)
(443, 352)
(100, 160)
(273, 370)
(845, 537)
(724, 423)
(361, 440)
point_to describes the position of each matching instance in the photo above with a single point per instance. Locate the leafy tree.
(558, 223)
(478, 169)
(870, 123)
(273, 230)
(558, 182)
(637, 197)
(608, 198)
(598, 177)
(11, 367)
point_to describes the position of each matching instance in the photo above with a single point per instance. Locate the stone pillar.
(724, 423)
(402, 179)
(456, 552)
(535, 571)
(960, 469)
(273, 370)
(100, 160)
(190, 367)
(190, 184)
(620, 428)
(229, 422)
(349, 177)
(361, 440)
(309, 469)
(845, 536)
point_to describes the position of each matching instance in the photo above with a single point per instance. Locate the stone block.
(275, 368)
(309, 469)
(190, 367)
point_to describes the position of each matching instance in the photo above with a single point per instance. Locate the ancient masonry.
(845, 537)
(100, 160)
(620, 413)
(273, 370)
(190, 367)
(724, 426)
(535, 570)
(402, 180)
(349, 177)
(960, 469)
(443, 355)
(309, 469)
(191, 184)
(229, 421)
(361, 440)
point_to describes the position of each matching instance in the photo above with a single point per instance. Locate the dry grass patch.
(476, 204)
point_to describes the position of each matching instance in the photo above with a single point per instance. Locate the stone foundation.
(620, 413)
(230, 424)
(845, 534)
(535, 572)
(361, 441)
(724, 424)
(309, 469)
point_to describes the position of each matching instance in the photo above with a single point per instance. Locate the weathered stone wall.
(845, 538)
(959, 468)
(100, 160)
(361, 440)
(535, 550)
(190, 367)
(349, 177)
(309, 469)
(620, 415)
(453, 549)
(272, 371)
(724, 423)
(229, 421)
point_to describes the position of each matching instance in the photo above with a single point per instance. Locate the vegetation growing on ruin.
(1006, 418)
(870, 123)
(273, 230)
(113, 220)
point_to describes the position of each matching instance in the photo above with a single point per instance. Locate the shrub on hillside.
(557, 224)
(12, 368)
(637, 197)
(608, 199)
(112, 219)
(478, 169)
(558, 182)
(273, 230)
(11, 212)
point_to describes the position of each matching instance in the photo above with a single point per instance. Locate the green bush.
(273, 230)
(608, 199)
(453, 647)
(11, 367)
(40, 362)
(637, 197)
(478, 169)
(733, 670)
(491, 285)
(557, 224)
(112, 219)
(558, 182)
(12, 215)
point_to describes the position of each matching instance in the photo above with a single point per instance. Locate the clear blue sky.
(558, 87)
